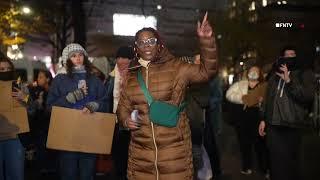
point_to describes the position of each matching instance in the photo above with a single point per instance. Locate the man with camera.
(290, 90)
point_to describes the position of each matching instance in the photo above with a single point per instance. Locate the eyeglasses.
(148, 42)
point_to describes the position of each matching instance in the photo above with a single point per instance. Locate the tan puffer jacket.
(157, 152)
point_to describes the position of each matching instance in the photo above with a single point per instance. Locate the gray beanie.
(71, 48)
(102, 64)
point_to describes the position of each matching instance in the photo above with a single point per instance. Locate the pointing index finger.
(205, 18)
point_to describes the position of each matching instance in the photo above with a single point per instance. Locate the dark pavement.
(231, 162)
(310, 157)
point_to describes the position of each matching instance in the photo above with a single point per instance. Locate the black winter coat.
(287, 104)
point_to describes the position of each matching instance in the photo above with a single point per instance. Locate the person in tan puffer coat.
(158, 152)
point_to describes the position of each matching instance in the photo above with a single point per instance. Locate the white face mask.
(253, 75)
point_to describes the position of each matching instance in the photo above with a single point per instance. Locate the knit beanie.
(72, 48)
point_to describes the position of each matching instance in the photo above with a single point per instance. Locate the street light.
(15, 47)
(20, 55)
(26, 10)
(264, 3)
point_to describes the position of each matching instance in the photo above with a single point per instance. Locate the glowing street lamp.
(26, 10)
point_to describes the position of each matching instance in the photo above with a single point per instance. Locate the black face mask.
(291, 62)
(7, 76)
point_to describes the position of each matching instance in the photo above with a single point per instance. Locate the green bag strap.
(147, 94)
(183, 105)
(144, 87)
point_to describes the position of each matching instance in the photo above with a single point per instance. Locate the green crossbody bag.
(160, 112)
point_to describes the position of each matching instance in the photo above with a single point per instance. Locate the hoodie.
(286, 103)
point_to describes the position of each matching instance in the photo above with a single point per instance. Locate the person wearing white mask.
(247, 124)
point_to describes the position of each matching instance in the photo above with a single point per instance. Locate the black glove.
(92, 106)
(74, 96)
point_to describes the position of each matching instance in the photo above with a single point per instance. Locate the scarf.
(144, 63)
(119, 82)
(78, 69)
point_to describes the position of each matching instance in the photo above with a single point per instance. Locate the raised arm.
(208, 55)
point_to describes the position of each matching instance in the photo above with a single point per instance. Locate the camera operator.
(290, 90)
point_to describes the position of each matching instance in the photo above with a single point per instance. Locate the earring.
(161, 47)
(135, 53)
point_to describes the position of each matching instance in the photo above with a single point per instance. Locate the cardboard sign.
(251, 99)
(73, 130)
(18, 116)
(5, 96)
(13, 114)
(16, 103)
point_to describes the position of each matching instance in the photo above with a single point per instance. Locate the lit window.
(253, 18)
(264, 3)
(234, 4)
(230, 79)
(129, 24)
(224, 73)
(48, 61)
(252, 6)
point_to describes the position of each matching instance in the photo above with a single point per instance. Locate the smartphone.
(134, 115)
(15, 85)
(82, 83)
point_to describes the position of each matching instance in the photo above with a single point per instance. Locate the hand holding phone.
(133, 122)
(15, 86)
(82, 84)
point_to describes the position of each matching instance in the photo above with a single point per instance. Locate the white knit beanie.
(71, 48)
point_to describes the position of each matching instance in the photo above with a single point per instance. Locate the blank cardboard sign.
(5, 96)
(18, 116)
(73, 130)
(14, 115)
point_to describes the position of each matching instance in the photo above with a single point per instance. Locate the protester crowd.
(168, 113)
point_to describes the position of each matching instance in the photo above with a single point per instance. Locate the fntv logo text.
(284, 25)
